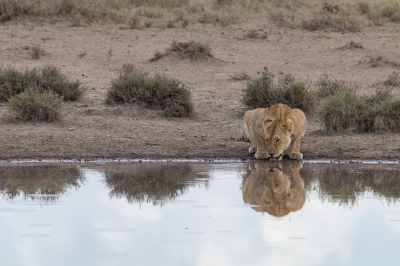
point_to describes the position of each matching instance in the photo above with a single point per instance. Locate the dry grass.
(348, 15)
(393, 80)
(133, 85)
(36, 52)
(257, 35)
(191, 50)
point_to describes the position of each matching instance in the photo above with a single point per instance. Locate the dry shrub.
(393, 80)
(327, 87)
(353, 45)
(133, 85)
(192, 50)
(47, 78)
(333, 21)
(331, 18)
(347, 110)
(257, 35)
(134, 23)
(379, 61)
(31, 105)
(263, 92)
(36, 52)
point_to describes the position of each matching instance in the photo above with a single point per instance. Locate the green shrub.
(378, 112)
(31, 105)
(48, 78)
(133, 85)
(263, 92)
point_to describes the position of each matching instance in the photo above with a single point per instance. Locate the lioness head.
(276, 195)
(277, 137)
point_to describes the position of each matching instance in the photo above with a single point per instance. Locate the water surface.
(200, 214)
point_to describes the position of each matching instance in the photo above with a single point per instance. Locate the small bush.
(31, 105)
(347, 110)
(133, 85)
(36, 52)
(192, 50)
(327, 87)
(263, 92)
(256, 35)
(48, 78)
(393, 80)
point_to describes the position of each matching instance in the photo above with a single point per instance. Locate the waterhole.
(200, 214)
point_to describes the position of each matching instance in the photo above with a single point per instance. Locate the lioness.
(274, 191)
(275, 131)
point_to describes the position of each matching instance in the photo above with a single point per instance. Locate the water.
(200, 214)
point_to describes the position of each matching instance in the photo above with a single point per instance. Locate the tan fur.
(275, 131)
(274, 191)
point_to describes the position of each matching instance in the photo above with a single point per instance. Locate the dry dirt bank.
(92, 129)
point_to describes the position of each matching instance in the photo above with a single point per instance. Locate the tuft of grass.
(134, 23)
(32, 105)
(393, 80)
(348, 110)
(192, 50)
(81, 54)
(133, 85)
(254, 34)
(327, 87)
(45, 79)
(263, 92)
(378, 61)
(36, 52)
(171, 24)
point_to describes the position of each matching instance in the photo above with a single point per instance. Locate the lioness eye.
(266, 141)
(277, 140)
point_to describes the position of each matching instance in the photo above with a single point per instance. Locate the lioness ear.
(288, 125)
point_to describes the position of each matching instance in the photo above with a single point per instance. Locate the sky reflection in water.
(200, 214)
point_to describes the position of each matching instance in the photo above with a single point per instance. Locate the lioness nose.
(271, 155)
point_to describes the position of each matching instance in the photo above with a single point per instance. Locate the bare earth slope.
(92, 129)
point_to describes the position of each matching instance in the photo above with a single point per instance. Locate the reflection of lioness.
(275, 131)
(273, 191)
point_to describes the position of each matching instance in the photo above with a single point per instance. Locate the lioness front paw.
(252, 150)
(261, 155)
(296, 156)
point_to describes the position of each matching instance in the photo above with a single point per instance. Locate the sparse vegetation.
(347, 110)
(134, 85)
(327, 87)
(32, 105)
(333, 21)
(48, 78)
(393, 80)
(264, 92)
(257, 35)
(378, 61)
(36, 52)
(134, 23)
(192, 50)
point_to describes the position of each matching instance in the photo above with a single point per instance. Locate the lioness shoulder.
(275, 131)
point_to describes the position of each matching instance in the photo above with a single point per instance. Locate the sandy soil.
(93, 130)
